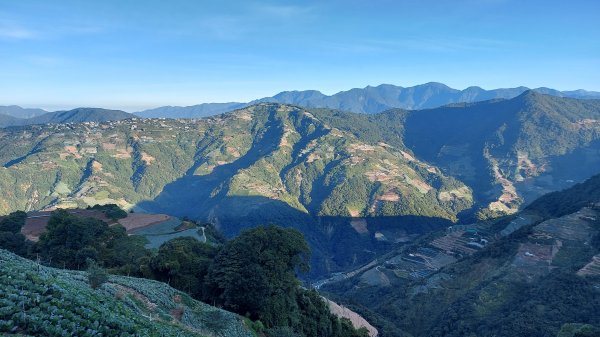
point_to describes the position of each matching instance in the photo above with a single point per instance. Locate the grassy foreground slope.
(42, 301)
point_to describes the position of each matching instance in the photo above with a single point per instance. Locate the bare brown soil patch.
(140, 220)
(36, 222)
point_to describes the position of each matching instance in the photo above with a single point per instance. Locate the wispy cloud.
(12, 28)
(16, 33)
(433, 45)
(223, 27)
(253, 18)
(44, 60)
(284, 11)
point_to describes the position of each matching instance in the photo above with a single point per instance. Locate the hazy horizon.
(133, 109)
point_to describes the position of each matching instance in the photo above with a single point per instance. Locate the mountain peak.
(20, 112)
(436, 85)
(531, 95)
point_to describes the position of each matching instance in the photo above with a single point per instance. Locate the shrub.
(95, 274)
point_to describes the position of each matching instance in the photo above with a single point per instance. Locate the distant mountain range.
(194, 111)
(78, 115)
(18, 112)
(367, 100)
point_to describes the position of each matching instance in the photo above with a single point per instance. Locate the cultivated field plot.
(156, 228)
(573, 227)
(134, 221)
(534, 258)
(161, 232)
(592, 268)
(36, 222)
(454, 242)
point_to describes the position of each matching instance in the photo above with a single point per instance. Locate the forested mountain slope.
(510, 151)
(540, 280)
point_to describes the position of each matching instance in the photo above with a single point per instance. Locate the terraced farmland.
(37, 300)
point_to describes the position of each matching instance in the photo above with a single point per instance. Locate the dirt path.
(203, 234)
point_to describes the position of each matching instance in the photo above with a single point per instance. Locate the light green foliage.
(52, 302)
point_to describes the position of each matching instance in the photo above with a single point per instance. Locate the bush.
(95, 274)
(282, 331)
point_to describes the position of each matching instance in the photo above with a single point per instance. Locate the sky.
(132, 55)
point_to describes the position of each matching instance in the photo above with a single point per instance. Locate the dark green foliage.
(111, 210)
(533, 310)
(95, 274)
(122, 253)
(183, 263)
(15, 243)
(255, 273)
(317, 320)
(568, 201)
(282, 331)
(11, 238)
(213, 234)
(70, 240)
(13, 222)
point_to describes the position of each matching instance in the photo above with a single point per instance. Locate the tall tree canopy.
(183, 263)
(255, 273)
(70, 240)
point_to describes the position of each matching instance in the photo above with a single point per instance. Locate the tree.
(183, 263)
(15, 243)
(111, 210)
(95, 274)
(70, 240)
(10, 234)
(255, 274)
(13, 222)
(66, 235)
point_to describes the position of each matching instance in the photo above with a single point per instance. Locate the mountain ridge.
(77, 115)
(19, 112)
(370, 99)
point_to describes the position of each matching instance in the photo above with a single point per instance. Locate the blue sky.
(137, 54)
